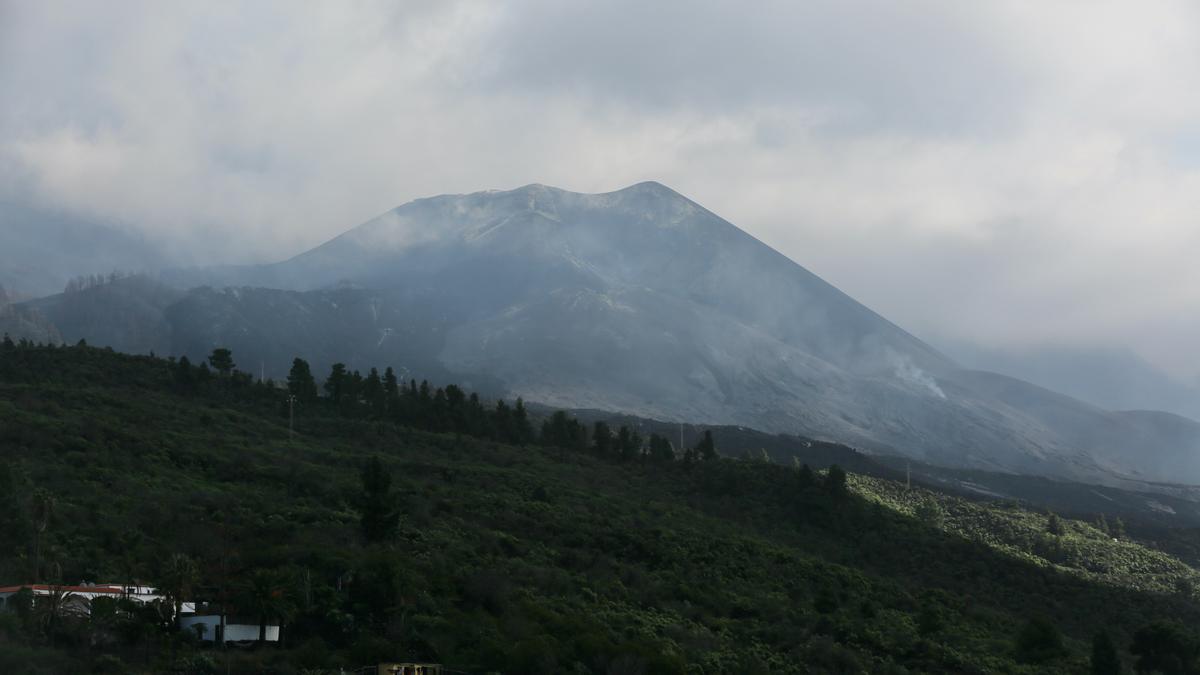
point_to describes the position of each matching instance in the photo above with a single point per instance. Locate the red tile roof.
(115, 589)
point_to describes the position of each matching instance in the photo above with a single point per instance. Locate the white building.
(201, 620)
(78, 599)
(237, 629)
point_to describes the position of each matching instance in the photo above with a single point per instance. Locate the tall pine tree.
(335, 384)
(300, 381)
(221, 360)
(373, 394)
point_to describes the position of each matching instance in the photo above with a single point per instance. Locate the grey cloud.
(1000, 173)
(863, 66)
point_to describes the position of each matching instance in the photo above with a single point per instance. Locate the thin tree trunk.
(262, 630)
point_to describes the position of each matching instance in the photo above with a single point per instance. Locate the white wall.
(234, 632)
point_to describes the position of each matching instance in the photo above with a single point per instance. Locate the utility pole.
(907, 475)
(291, 416)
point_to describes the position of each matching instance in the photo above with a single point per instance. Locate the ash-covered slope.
(537, 245)
(641, 301)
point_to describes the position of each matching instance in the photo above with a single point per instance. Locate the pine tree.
(300, 381)
(203, 373)
(629, 443)
(221, 360)
(602, 439)
(391, 390)
(555, 432)
(335, 384)
(476, 416)
(661, 449)
(562, 431)
(352, 392)
(706, 449)
(439, 409)
(456, 408)
(373, 394)
(502, 422)
(184, 380)
(522, 427)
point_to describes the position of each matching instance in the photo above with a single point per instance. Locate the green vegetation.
(411, 522)
(1072, 547)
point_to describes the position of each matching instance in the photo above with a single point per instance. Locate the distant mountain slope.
(26, 323)
(1117, 379)
(266, 328)
(641, 301)
(40, 250)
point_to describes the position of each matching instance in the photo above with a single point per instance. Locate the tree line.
(384, 397)
(84, 282)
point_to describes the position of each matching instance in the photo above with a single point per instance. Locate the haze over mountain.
(1117, 379)
(41, 249)
(637, 301)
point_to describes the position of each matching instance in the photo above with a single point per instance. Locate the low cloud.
(1001, 173)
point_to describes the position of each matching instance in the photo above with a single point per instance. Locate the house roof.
(114, 589)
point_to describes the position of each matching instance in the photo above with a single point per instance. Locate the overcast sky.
(1001, 173)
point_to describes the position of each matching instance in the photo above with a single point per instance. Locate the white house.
(200, 619)
(78, 599)
(237, 629)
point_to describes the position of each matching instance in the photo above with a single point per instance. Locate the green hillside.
(532, 558)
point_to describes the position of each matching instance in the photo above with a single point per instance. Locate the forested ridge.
(402, 521)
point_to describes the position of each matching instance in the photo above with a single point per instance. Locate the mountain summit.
(642, 301)
(643, 244)
(638, 300)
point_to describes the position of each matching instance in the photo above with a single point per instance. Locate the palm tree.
(264, 594)
(41, 511)
(49, 610)
(178, 580)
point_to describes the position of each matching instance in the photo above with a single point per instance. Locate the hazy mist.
(1007, 175)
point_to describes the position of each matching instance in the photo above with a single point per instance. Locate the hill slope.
(533, 559)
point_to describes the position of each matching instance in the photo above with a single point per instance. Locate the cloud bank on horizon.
(996, 173)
